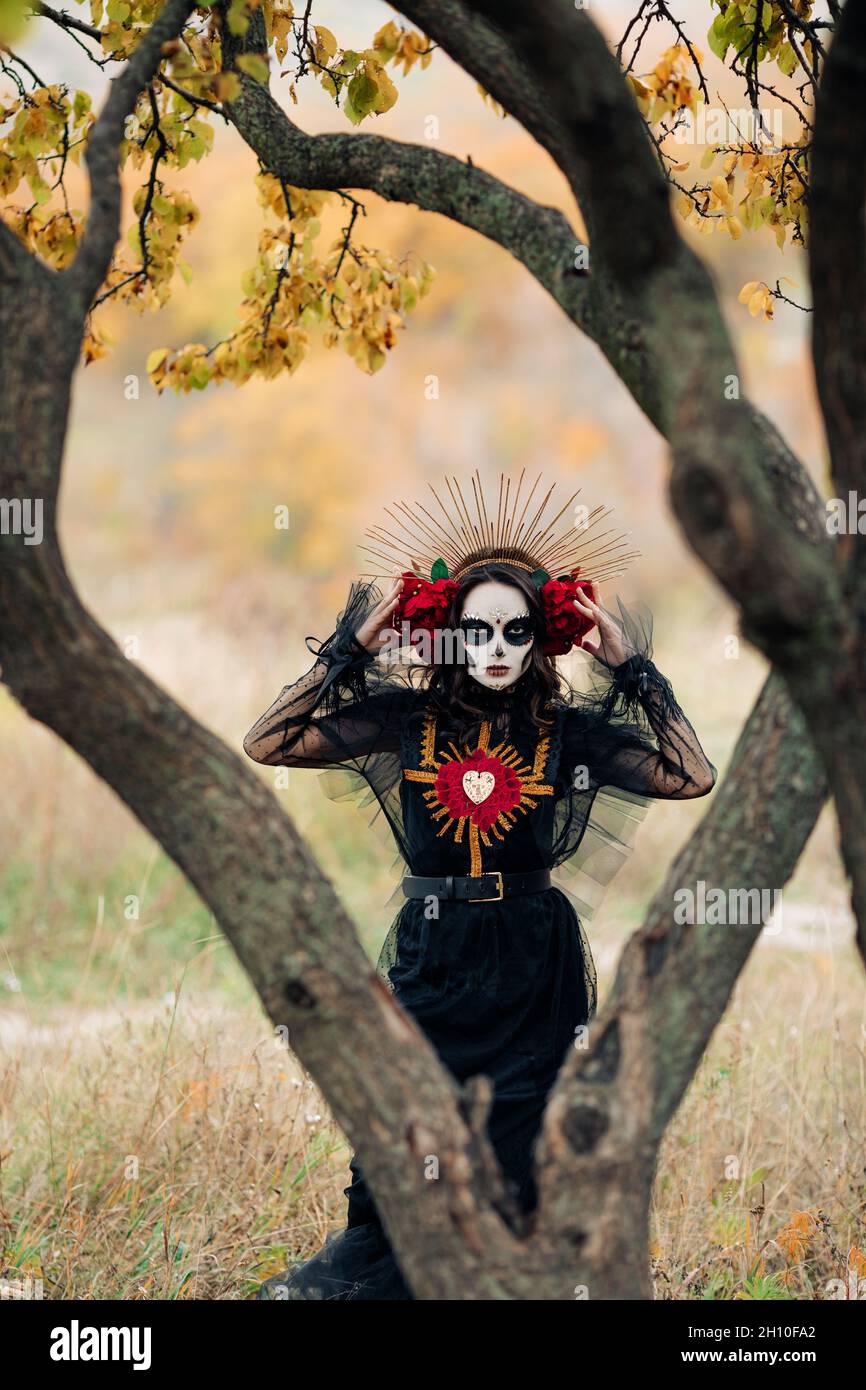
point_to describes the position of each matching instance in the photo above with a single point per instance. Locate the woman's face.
(498, 631)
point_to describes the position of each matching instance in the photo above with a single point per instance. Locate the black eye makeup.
(476, 631)
(518, 632)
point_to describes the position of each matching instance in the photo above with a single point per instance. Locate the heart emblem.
(478, 786)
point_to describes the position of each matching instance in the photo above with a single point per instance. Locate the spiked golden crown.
(515, 524)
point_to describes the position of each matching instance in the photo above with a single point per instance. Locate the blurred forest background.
(155, 1141)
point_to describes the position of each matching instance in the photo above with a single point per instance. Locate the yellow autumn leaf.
(155, 359)
(326, 45)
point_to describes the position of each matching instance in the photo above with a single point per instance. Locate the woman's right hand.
(378, 620)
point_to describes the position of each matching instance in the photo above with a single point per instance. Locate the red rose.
(424, 603)
(564, 625)
(504, 794)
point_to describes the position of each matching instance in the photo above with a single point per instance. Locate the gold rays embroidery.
(428, 739)
(542, 752)
(531, 782)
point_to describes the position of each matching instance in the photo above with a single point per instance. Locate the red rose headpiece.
(563, 624)
(523, 535)
(424, 603)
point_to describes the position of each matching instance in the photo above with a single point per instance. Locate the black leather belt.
(485, 888)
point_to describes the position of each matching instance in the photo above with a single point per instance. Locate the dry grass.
(761, 1190)
(173, 1150)
(160, 1152)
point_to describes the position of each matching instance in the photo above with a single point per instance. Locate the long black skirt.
(500, 994)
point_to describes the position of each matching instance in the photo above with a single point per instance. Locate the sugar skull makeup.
(498, 632)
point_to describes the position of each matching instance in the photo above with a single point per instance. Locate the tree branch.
(540, 237)
(68, 21)
(838, 255)
(90, 266)
(838, 271)
(719, 486)
(485, 53)
(776, 776)
(612, 1102)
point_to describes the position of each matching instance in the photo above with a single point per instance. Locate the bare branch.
(90, 266)
(68, 21)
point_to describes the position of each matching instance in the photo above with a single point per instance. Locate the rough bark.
(613, 1102)
(838, 273)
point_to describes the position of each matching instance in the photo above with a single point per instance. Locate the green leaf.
(717, 37)
(539, 577)
(13, 17)
(439, 570)
(200, 375)
(787, 59)
(361, 97)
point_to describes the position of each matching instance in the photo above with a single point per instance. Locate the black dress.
(500, 988)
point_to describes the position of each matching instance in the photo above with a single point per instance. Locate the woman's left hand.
(611, 647)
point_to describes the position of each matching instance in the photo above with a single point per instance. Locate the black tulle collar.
(492, 701)
(503, 708)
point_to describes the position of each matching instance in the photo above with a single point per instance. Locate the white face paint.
(498, 631)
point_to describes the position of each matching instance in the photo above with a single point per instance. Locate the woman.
(489, 769)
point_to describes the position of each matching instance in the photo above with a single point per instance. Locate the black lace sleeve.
(344, 708)
(347, 715)
(631, 732)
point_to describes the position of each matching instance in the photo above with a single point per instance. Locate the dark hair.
(533, 693)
